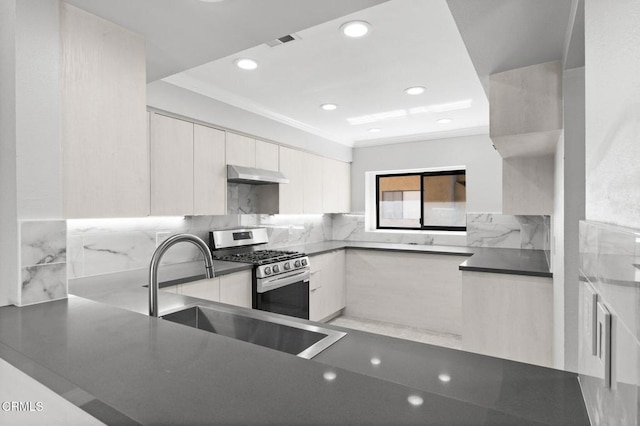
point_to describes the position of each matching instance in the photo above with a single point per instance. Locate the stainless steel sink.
(303, 340)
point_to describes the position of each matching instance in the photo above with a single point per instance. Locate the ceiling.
(411, 43)
(181, 34)
(193, 44)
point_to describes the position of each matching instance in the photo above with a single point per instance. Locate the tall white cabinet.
(105, 156)
(188, 168)
(292, 193)
(171, 150)
(336, 179)
(209, 171)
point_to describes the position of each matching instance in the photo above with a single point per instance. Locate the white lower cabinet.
(327, 285)
(508, 316)
(208, 289)
(413, 289)
(235, 289)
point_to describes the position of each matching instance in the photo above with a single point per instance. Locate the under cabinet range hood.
(251, 175)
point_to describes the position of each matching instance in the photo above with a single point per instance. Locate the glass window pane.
(445, 200)
(399, 201)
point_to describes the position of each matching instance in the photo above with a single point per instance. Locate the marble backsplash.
(351, 227)
(103, 246)
(610, 267)
(43, 261)
(508, 231)
(483, 230)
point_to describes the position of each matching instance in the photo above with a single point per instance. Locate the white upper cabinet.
(241, 150)
(105, 154)
(171, 148)
(209, 171)
(336, 180)
(313, 188)
(292, 193)
(267, 156)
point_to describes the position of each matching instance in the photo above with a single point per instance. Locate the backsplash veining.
(507, 231)
(104, 246)
(483, 230)
(43, 257)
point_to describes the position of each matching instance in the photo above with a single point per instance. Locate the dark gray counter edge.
(484, 261)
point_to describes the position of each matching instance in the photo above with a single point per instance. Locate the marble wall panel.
(351, 227)
(507, 231)
(43, 257)
(105, 246)
(608, 255)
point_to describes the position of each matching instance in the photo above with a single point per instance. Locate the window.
(428, 200)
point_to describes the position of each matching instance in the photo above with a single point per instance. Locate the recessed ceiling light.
(415, 90)
(375, 130)
(211, 1)
(445, 121)
(328, 107)
(355, 29)
(246, 64)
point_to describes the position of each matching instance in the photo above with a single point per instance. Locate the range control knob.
(304, 262)
(296, 263)
(276, 269)
(287, 266)
(267, 270)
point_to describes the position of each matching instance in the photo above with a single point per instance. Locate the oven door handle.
(263, 285)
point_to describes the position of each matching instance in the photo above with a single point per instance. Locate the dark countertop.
(158, 372)
(480, 259)
(509, 261)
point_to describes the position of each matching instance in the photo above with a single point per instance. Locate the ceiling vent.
(283, 40)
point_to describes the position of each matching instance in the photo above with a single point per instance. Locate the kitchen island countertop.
(130, 368)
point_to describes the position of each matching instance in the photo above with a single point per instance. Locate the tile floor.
(400, 331)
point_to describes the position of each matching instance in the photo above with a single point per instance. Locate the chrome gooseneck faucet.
(155, 263)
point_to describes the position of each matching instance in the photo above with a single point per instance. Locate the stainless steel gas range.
(280, 279)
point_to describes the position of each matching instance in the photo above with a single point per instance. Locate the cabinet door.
(315, 295)
(235, 289)
(171, 166)
(336, 182)
(176, 289)
(344, 187)
(241, 150)
(208, 289)
(105, 158)
(327, 284)
(335, 283)
(330, 183)
(292, 193)
(313, 188)
(267, 156)
(209, 171)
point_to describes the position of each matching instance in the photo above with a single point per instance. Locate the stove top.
(259, 257)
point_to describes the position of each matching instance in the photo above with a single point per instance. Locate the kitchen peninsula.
(161, 372)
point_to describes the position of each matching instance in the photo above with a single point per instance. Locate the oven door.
(286, 294)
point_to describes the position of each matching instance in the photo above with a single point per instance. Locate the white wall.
(482, 161)
(613, 112)
(569, 193)
(174, 99)
(558, 255)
